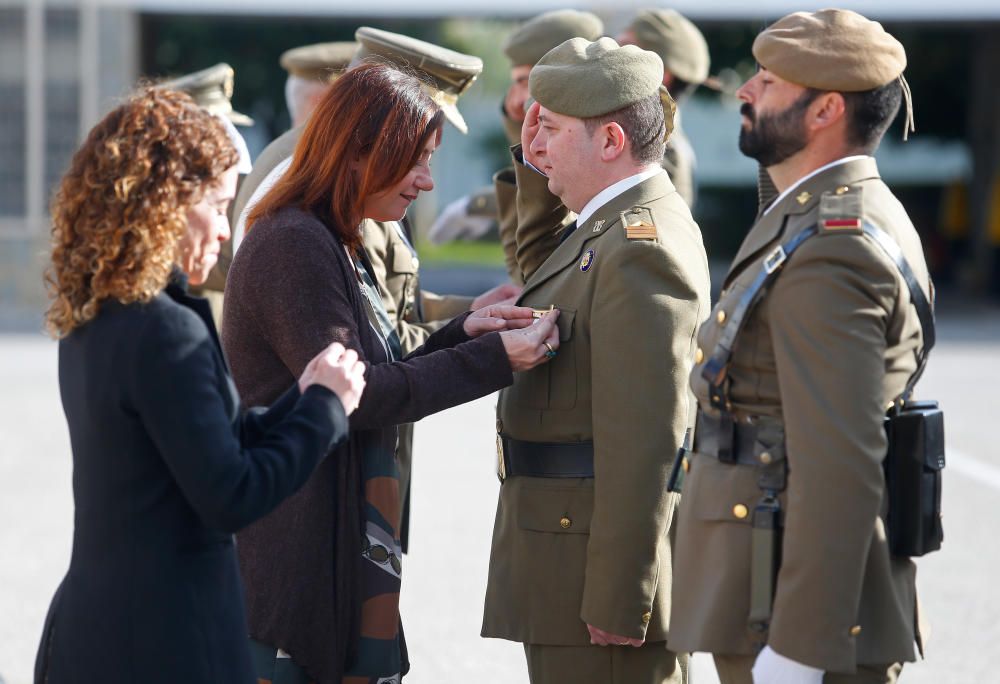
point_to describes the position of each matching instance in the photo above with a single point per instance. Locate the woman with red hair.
(322, 572)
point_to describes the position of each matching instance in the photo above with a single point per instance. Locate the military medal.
(587, 260)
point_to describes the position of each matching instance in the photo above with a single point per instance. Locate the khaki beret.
(831, 49)
(584, 79)
(528, 43)
(319, 62)
(211, 89)
(676, 40)
(451, 73)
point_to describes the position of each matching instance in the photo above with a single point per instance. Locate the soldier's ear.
(826, 110)
(614, 141)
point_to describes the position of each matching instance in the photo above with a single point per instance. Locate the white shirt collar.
(612, 191)
(838, 162)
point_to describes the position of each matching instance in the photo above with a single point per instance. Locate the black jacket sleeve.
(178, 393)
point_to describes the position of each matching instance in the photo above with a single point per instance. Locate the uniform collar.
(798, 205)
(789, 190)
(614, 190)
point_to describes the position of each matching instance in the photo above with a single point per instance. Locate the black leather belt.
(543, 459)
(733, 441)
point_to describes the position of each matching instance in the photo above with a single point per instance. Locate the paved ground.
(455, 494)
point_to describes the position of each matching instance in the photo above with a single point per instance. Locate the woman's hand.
(340, 371)
(527, 347)
(496, 318)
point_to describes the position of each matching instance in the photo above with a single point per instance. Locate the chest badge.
(598, 224)
(587, 260)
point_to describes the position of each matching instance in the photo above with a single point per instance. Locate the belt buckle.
(774, 260)
(501, 466)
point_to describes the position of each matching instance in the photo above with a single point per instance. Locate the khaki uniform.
(572, 551)
(277, 151)
(825, 351)
(678, 162)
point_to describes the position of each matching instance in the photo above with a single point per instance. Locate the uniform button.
(721, 317)
(646, 617)
(416, 262)
(842, 189)
(565, 523)
(765, 457)
(686, 464)
(699, 355)
(855, 630)
(740, 511)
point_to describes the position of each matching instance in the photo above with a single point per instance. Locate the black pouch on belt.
(913, 468)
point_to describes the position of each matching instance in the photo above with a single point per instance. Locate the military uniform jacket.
(567, 551)
(829, 346)
(277, 151)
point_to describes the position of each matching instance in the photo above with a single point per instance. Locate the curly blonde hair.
(121, 208)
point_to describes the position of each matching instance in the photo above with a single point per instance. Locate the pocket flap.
(403, 260)
(729, 491)
(562, 510)
(565, 323)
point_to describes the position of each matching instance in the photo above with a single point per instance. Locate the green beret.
(451, 73)
(584, 79)
(319, 62)
(676, 40)
(528, 43)
(832, 49)
(211, 89)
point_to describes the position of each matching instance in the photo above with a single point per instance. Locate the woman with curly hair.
(323, 571)
(165, 467)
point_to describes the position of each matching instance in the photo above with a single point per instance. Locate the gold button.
(686, 464)
(740, 511)
(565, 523)
(765, 457)
(721, 317)
(646, 617)
(855, 630)
(699, 355)
(842, 189)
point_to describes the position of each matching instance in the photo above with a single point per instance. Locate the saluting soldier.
(523, 47)
(793, 390)
(212, 89)
(686, 62)
(580, 569)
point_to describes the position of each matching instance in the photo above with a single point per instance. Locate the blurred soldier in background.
(686, 62)
(212, 89)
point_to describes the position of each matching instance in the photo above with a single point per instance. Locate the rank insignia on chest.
(587, 260)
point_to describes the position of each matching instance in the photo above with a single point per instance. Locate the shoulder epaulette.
(638, 224)
(841, 210)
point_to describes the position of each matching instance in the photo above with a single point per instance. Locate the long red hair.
(374, 113)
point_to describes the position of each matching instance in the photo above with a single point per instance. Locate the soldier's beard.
(773, 138)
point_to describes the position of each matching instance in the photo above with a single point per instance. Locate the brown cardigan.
(292, 291)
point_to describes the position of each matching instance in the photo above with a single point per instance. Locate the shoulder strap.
(715, 369)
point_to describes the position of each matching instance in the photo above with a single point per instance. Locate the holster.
(913, 466)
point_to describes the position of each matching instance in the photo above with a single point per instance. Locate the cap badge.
(587, 260)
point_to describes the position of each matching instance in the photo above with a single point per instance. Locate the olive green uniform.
(830, 345)
(572, 551)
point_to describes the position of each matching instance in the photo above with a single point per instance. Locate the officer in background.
(580, 569)
(473, 216)
(312, 69)
(686, 62)
(790, 428)
(212, 89)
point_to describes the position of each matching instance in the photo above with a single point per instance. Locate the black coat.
(165, 469)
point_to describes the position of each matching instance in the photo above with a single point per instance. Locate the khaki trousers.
(736, 670)
(651, 663)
